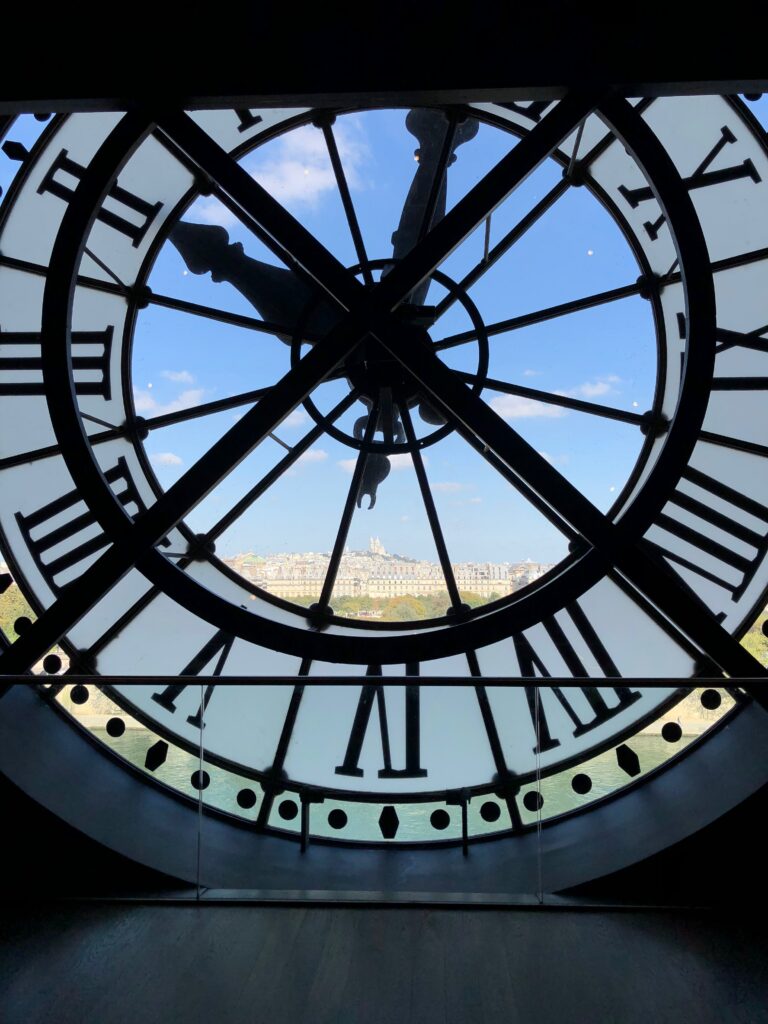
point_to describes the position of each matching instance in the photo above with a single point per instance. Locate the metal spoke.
(533, 215)
(278, 470)
(541, 315)
(429, 505)
(281, 752)
(223, 524)
(107, 270)
(480, 425)
(133, 540)
(494, 742)
(259, 211)
(206, 409)
(486, 195)
(349, 509)
(223, 316)
(324, 122)
(577, 404)
(98, 422)
(503, 246)
(51, 450)
(590, 301)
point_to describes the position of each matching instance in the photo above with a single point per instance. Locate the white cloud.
(513, 407)
(532, 373)
(594, 388)
(475, 501)
(313, 455)
(405, 519)
(146, 403)
(297, 168)
(211, 211)
(403, 460)
(297, 418)
(555, 460)
(165, 459)
(178, 376)
(448, 487)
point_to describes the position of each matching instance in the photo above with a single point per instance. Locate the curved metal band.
(575, 578)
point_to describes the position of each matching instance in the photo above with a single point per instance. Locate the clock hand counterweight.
(277, 294)
(439, 137)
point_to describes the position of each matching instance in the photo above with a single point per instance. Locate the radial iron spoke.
(259, 208)
(429, 505)
(223, 316)
(349, 510)
(286, 734)
(460, 221)
(206, 409)
(133, 540)
(278, 470)
(533, 215)
(223, 524)
(541, 315)
(478, 423)
(325, 123)
(548, 397)
(503, 246)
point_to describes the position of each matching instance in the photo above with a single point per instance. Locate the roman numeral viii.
(731, 569)
(135, 215)
(702, 177)
(60, 535)
(21, 363)
(589, 711)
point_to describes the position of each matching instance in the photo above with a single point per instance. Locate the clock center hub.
(372, 369)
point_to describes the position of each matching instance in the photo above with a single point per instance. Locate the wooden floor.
(139, 964)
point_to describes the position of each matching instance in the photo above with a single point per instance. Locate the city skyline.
(376, 573)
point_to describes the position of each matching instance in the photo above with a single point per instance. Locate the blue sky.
(605, 355)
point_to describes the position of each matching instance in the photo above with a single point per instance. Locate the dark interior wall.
(152, 55)
(721, 864)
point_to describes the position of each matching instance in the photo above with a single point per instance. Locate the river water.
(415, 822)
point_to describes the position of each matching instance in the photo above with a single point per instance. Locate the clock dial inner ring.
(382, 380)
(398, 648)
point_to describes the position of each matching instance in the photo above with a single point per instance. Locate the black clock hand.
(439, 137)
(277, 294)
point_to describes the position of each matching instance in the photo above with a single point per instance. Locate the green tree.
(404, 608)
(12, 607)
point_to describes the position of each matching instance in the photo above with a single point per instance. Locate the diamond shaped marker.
(15, 150)
(389, 822)
(156, 755)
(628, 760)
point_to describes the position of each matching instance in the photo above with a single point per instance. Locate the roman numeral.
(73, 539)
(247, 119)
(56, 182)
(218, 647)
(756, 341)
(702, 177)
(532, 664)
(375, 692)
(735, 570)
(91, 351)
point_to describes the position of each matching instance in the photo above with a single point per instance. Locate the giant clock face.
(399, 361)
